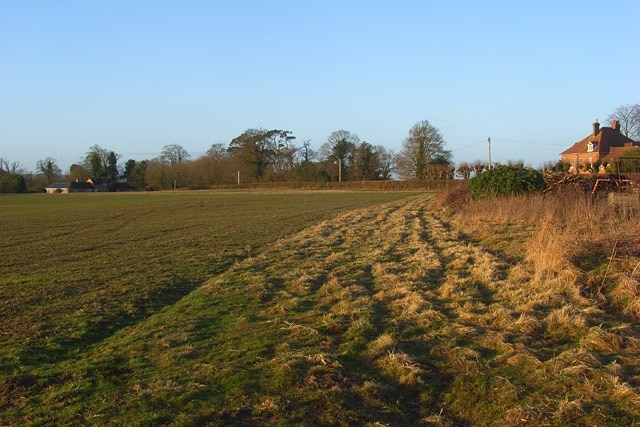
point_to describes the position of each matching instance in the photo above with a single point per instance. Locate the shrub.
(12, 183)
(629, 161)
(506, 180)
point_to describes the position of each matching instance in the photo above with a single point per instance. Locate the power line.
(468, 146)
(513, 141)
(529, 142)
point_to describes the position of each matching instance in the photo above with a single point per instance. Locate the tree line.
(274, 155)
(254, 156)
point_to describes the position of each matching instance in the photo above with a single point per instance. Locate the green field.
(307, 308)
(77, 269)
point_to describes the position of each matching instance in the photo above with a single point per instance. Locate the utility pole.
(339, 170)
(489, 148)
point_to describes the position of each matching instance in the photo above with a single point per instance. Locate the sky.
(135, 76)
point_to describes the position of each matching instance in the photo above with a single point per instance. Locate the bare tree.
(11, 177)
(157, 176)
(213, 168)
(174, 154)
(49, 169)
(629, 118)
(11, 167)
(478, 166)
(423, 147)
(386, 159)
(217, 151)
(306, 152)
(174, 157)
(464, 170)
(307, 169)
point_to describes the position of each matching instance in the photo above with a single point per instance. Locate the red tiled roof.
(603, 141)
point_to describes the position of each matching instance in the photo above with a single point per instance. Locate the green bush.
(505, 180)
(628, 162)
(12, 183)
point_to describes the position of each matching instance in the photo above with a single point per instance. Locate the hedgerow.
(506, 180)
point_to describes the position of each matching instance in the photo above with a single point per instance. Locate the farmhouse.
(92, 185)
(598, 149)
(99, 184)
(57, 187)
(70, 187)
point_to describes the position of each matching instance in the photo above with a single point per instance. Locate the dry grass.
(559, 241)
(560, 309)
(401, 367)
(627, 292)
(548, 251)
(599, 339)
(381, 345)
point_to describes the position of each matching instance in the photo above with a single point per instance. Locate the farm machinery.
(616, 188)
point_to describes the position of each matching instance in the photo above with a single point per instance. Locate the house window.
(590, 147)
(590, 162)
(571, 162)
(580, 162)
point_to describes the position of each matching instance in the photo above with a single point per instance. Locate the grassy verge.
(573, 289)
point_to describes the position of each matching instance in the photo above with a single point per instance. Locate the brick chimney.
(596, 127)
(615, 125)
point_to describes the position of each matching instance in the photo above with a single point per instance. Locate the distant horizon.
(488, 143)
(133, 77)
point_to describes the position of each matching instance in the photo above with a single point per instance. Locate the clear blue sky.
(134, 76)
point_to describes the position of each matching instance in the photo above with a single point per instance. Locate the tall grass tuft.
(564, 239)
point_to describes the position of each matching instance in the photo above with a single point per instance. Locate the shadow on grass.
(92, 328)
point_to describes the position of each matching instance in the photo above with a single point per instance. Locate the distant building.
(57, 187)
(81, 187)
(70, 187)
(92, 185)
(598, 149)
(99, 184)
